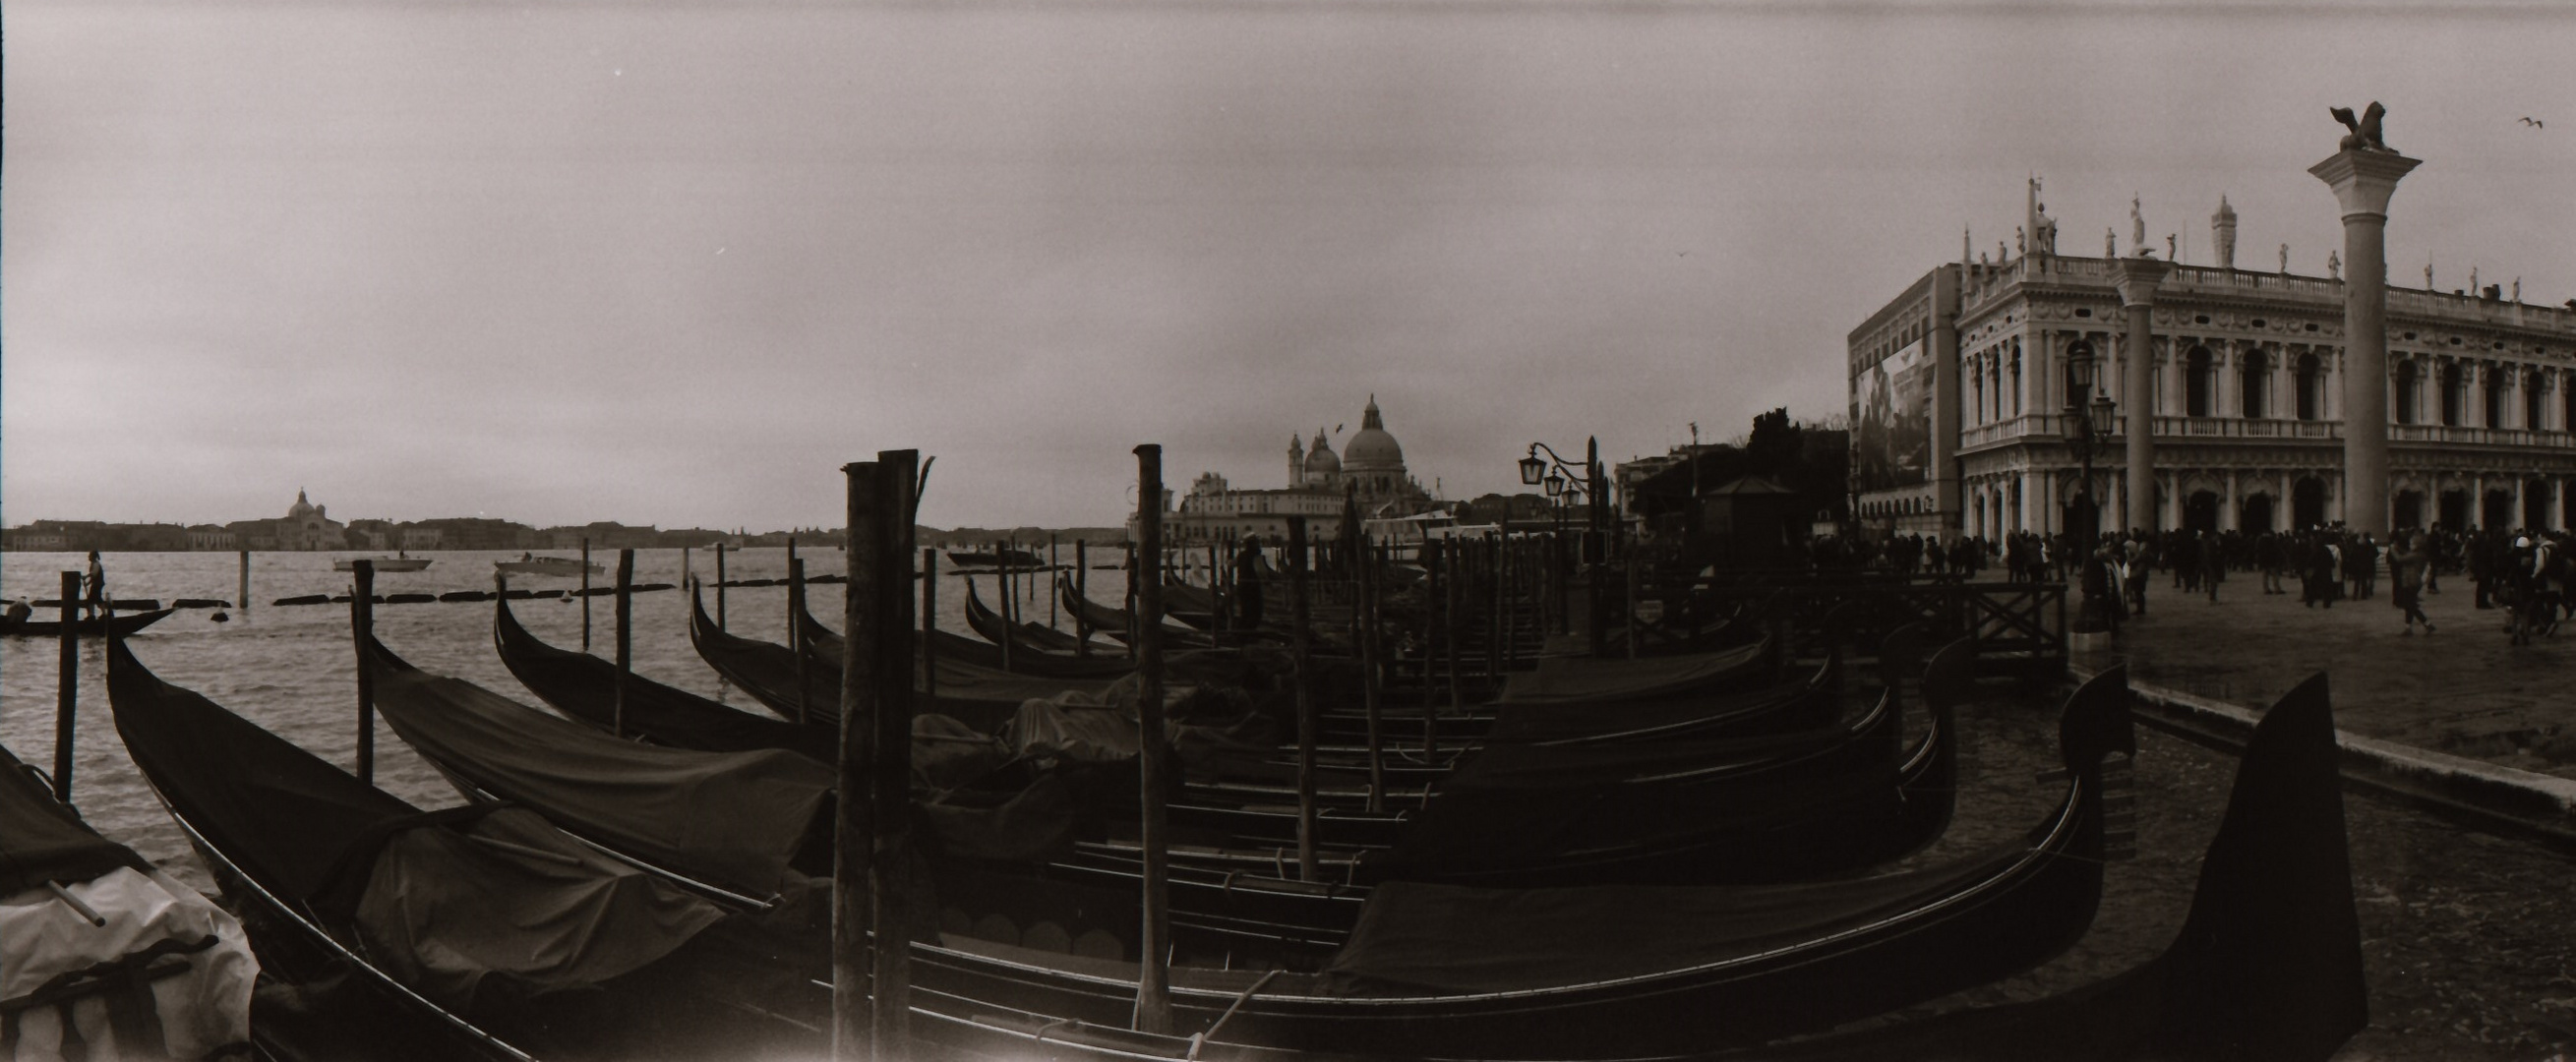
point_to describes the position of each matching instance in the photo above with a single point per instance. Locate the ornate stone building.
(1371, 461)
(2246, 392)
(306, 526)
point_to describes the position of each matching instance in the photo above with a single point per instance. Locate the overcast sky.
(675, 263)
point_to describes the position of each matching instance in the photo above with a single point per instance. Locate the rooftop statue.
(2137, 228)
(2365, 130)
(2334, 265)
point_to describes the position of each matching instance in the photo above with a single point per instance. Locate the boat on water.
(90, 626)
(531, 564)
(988, 558)
(399, 562)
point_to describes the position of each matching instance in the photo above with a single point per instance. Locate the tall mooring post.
(2363, 178)
(1153, 1012)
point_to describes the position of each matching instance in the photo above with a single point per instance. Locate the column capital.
(2364, 180)
(2138, 279)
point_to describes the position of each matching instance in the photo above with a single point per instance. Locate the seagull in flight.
(2534, 122)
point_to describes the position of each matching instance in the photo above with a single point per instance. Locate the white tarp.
(44, 942)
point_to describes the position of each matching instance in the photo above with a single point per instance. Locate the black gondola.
(90, 626)
(470, 933)
(583, 687)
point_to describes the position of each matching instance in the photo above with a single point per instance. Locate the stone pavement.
(2462, 690)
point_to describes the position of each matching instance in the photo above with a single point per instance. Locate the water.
(293, 669)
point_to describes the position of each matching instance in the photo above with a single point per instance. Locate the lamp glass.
(1555, 484)
(1531, 469)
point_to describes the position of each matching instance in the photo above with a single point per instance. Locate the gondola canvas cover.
(445, 912)
(738, 818)
(41, 840)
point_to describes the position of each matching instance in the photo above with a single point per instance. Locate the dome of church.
(1371, 448)
(1319, 458)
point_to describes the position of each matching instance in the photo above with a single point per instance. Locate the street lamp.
(1587, 482)
(2087, 427)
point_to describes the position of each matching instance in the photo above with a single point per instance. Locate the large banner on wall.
(1892, 420)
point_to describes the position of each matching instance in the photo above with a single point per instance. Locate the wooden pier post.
(67, 690)
(1082, 590)
(891, 715)
(929, 623)
(720, 585)
(1303, 671)
(1453, 557)
(585, 593)
(796, 637)
(1154, 981)
(1493, 608)
(362, 626)
(1133, 557)
(241, 599)
(855, 828)
(625, 643)
(1053, 565)
(685, 577)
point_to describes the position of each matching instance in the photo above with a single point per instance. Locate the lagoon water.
(293, 669)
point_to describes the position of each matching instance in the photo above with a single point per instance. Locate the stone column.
(1945, 398)
(2227, 514)
(2137, 284)
(2363, 181)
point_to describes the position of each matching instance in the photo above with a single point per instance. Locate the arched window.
(2312, 387)
(2534, 408)
(1977, 394)
(1995, 381)
(2016, 378)
(2258, 368)
(2410, 387)
(2494, 410)
(2452, 394)
(2199, 380)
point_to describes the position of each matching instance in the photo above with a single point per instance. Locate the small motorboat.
(531, 564)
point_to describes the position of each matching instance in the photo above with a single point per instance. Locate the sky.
(675, 263)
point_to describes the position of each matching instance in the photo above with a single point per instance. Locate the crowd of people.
(2529, 575)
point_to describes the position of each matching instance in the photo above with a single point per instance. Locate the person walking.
(2213, 565)
(2406, 570)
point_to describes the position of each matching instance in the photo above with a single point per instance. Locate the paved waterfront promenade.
(2462, 690)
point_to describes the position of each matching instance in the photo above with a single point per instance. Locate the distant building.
(1961, 392)
(35, 540)
(305, 526)
(1371, 466)
(212, 537)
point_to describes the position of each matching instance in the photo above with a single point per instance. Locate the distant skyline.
(673, 263)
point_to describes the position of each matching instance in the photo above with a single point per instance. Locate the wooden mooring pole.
(929, 623)
(585, 593)
(625, 643)
(1081, 591)
(362, 626)
(720, 586)
(1154, 977)
(891, 715)
(67, 695)
(241, 599)
(1303, 670)
(796, 637)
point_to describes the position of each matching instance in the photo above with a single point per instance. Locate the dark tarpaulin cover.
(1579, 679)
(735, 818)
(432, 903)
(1414, 938)
(281, 813)
(42, 840)
(1033, 825)
(443, 912)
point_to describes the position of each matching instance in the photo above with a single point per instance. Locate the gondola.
(768, 672)
(2268, 964)
(1102, 663)
(987, 558)
(469, 933)
(984, 621)
(1115, 622)
(1451, 972)
(1676, 812)
(106, 955)
(583, 687)
(84, 627)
